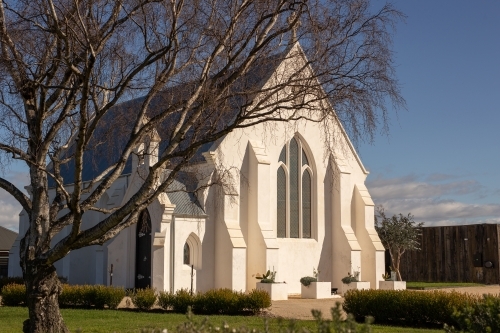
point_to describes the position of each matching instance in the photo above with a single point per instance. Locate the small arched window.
(294, 192)
(192, 254)
(187, 254)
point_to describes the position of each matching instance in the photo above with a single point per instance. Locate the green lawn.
(441, 284)
(106, 321)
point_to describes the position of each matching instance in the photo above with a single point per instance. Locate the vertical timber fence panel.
(465, 253)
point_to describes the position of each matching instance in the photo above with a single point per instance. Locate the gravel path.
(493, 289)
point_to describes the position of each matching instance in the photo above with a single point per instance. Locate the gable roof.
(7, 238)
(114, 129)
(111, 135)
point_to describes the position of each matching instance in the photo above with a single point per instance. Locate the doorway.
(143, 251)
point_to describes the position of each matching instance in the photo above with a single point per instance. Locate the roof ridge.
(9, 230)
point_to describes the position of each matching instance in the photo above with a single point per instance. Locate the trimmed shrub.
(114, 296)
(78, 296)
(9, 280)
(166, 300)
(86, 296)
(405, 307)
(257, 300)
(215, 301)
(144, 299)
(14, 294)
(477, 317)
(181, 300)
(110, 296)
(219, 301)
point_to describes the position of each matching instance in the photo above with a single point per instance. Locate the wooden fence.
(466, 253)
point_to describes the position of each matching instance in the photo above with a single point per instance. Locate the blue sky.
(440, 160)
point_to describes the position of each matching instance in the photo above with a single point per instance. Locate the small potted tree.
(277, 291)
(312, 288)
(398, 234)
(351, 281)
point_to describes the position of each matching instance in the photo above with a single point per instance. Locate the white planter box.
(355, 285)
(277, 291)
(392, 285)
(317, 290)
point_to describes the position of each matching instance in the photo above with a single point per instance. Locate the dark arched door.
(143, 251)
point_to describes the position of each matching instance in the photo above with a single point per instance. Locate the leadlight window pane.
(281, 200)
(304, 158)
(187, 254)
(294, 189)
(306, 205)
(283, 155)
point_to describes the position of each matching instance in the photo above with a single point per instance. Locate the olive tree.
(398, 234)
(77, 74)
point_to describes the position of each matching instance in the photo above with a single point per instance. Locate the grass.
(437, 285)
(106, 321)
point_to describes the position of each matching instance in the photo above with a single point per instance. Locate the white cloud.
(410, 187)
(9, 212)
(424, 199)
(9, 207)
(439, 177)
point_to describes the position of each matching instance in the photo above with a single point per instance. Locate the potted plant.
(390, 282)
(312, 288)
(276, 290)
(351, 281)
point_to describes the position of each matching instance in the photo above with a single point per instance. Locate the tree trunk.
(396, 267)
(43, 289)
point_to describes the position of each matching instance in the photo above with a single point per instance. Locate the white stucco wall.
(335, 253)
(185, 228)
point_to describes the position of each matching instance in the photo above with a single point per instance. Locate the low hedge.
(86, 296)
(9, 280)
(479, 317)
(178, 302)
(405, 307)
(14, 295)
(215, 301)
(73, 296)
(144, 299)
(257, 300)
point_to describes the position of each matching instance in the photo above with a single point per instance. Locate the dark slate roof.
(111, 136)
(7, 238)
(185, 202)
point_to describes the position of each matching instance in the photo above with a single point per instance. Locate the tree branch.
(24, 200)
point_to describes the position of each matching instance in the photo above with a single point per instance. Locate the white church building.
(292, 210)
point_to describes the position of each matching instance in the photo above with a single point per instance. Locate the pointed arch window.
(281, 203)
(187, 254)
(294, 192)
(306, 204)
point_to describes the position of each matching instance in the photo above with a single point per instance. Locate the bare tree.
(77, 75)
(398, 234)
